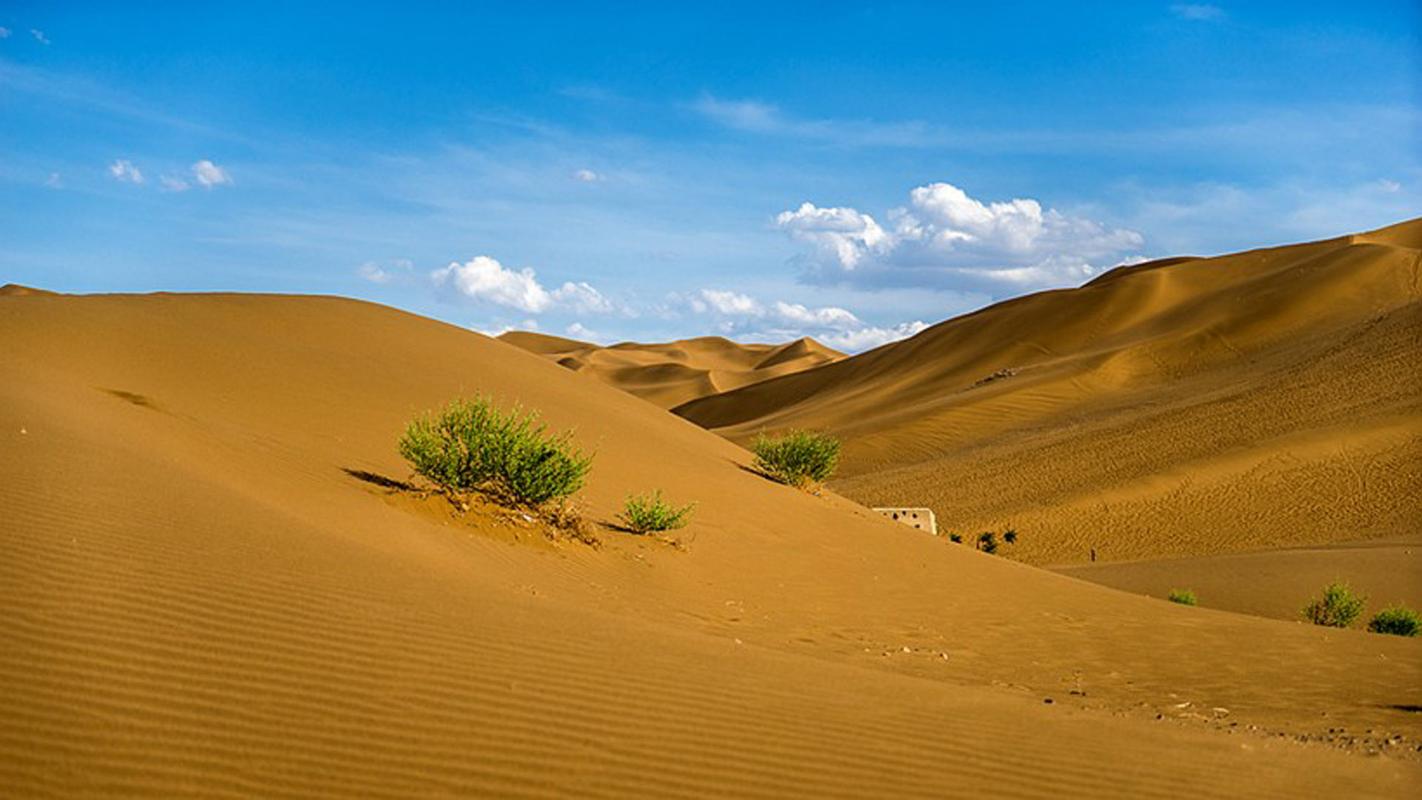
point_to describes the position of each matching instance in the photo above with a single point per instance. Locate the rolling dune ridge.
(1185, 407)
(677, 372)
(209, 588)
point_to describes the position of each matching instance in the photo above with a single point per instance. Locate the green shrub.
(987, 542)
(799, 458)
(1337, 608)
(1184, 597)
(1398, 621)
(1009, 536)
(649, 512)
(472, 445)
(955, 538)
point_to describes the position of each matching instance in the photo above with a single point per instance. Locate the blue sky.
(652, 171)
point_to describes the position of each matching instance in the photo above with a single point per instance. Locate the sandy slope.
(675, 372)
(1184, 407)
(1276, 583)
(196, 597)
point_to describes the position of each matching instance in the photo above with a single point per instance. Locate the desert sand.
(677, 372)
(1184, 407)
(209, 585)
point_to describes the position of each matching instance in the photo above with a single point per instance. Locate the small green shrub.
(987, 542)
(649, 512)
(799, 458)
(1337, 608)
(955, 538)
(1398, 621)
(472, 445)
(1010, 536)
(1184, 597)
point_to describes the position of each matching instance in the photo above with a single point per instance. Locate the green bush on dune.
(798, 458)
(1184, 597)
(472, 445)
(1337, 608)
(649, 512)
(1397, 621)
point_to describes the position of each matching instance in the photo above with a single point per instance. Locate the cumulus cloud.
(486, 280)
(744, 317)
(586, 176)
(123, 171)
(944, 238)
(209, 175)
(1198, 12)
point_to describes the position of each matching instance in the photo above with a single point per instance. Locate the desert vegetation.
(1336, 608)
(800, 458)
(474, 446)
(649, 513)
(1398, 620)
(1184, 597)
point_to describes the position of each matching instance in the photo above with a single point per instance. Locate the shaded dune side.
(198, 599)
(1183, 406)
(673, 373)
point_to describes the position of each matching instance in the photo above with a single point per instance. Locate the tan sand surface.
(676, 372)
(1275, 583)
(200, 594)
(1258, 400)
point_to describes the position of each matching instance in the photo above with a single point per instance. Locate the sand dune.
(1190, 406)
(200, 595)
(676, 372)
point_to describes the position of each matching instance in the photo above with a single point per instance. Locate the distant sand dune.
(1188, 406)
(674, 373)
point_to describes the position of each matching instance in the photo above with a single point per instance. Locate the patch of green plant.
(1184, 597)
(955, 538)
(987, 542)
(1397, 621)
(1009, 536)
(799, 458)
(472, 445)
(649, 512)
(1337, 608)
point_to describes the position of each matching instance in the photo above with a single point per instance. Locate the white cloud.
(4, 32)
(39, 35)
(484, 279)
(1198, 12)
(868, 338)
(586, 176)
(171, 184)
(847, 233)
(944, 238)
(579, 331)
(53, 181)
(208, 174)
(499, 330)
(123, 171)
(744, 317)
(1389, 186)
(582, 298)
